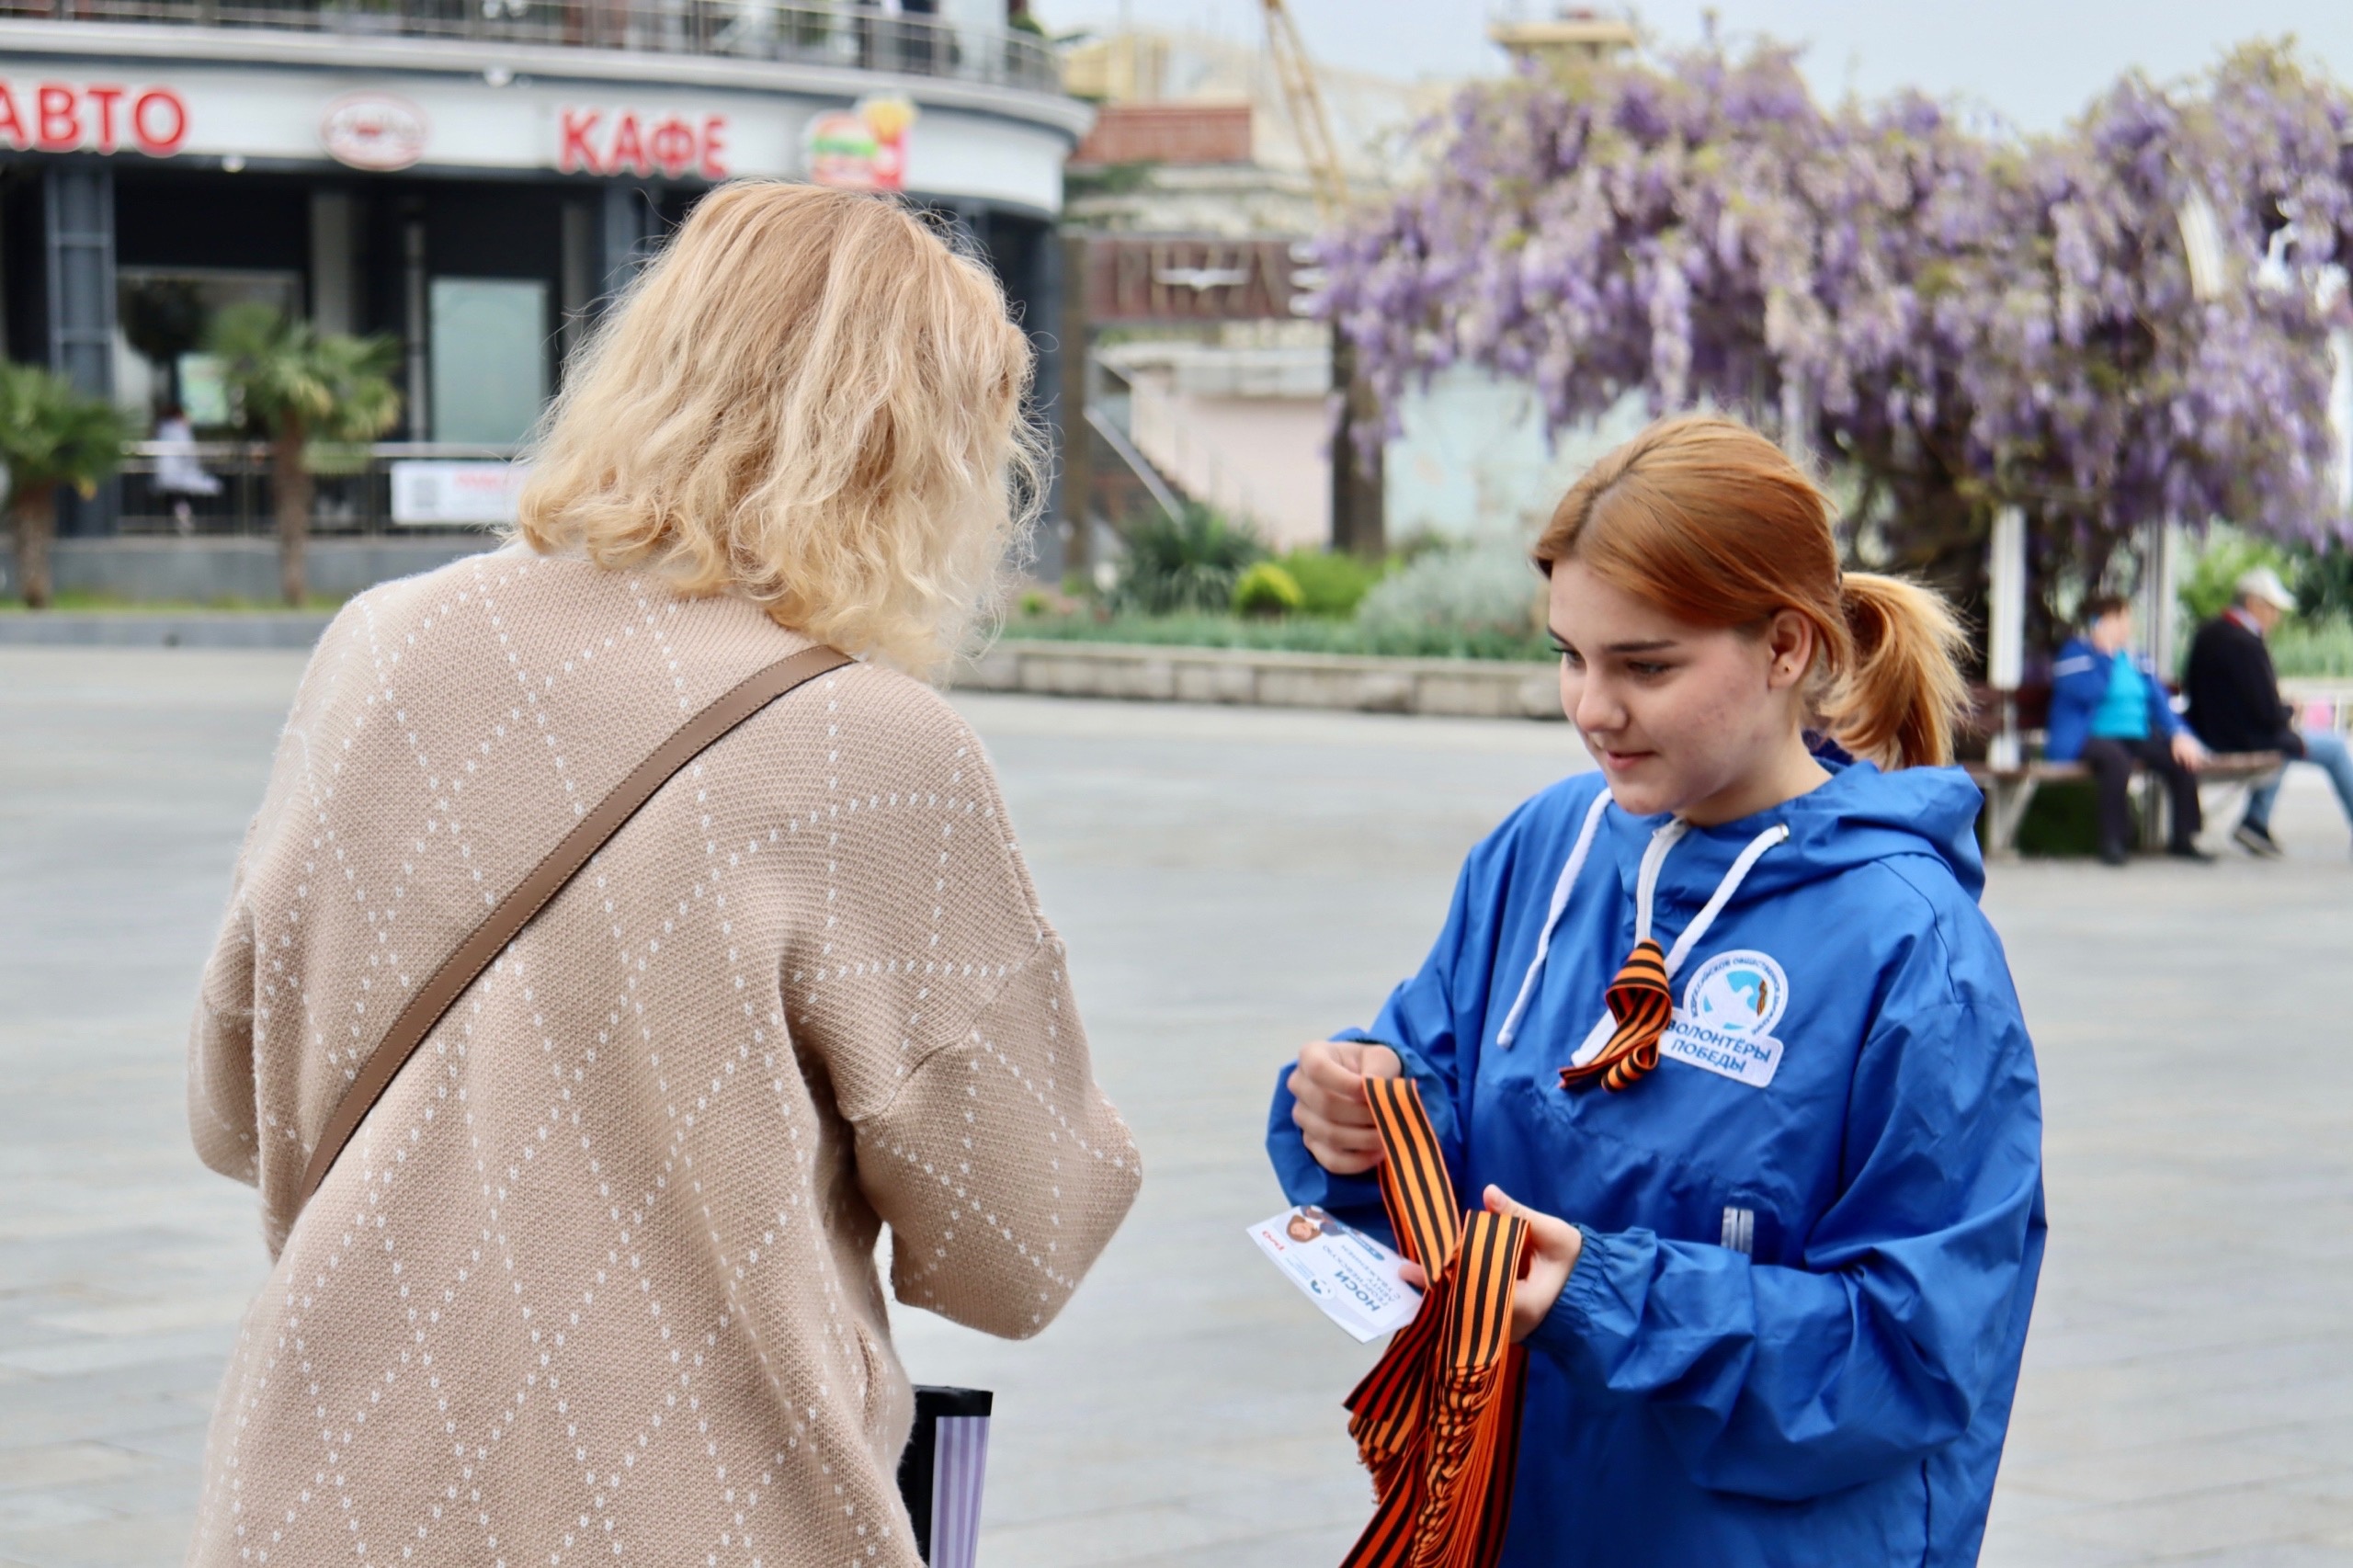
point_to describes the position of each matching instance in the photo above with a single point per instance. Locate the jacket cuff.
(1354, 1197)
(1438, 1099)
(1601, 1303)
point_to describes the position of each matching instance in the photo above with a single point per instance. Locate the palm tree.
(302, 386)
(50, 434)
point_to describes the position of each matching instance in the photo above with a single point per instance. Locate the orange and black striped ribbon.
(1643, 1006)
(1436, 1420)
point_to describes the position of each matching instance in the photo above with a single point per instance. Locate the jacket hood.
(1860, 816)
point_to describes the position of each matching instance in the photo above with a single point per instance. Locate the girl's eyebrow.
(1653, 645)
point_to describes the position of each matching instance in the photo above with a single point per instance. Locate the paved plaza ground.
(1230, 883)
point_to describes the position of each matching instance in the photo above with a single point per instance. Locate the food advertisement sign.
(863, 148)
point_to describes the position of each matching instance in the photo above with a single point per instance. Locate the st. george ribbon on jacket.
(1436, 1420)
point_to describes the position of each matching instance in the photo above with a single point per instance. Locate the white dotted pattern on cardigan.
(595, 1281)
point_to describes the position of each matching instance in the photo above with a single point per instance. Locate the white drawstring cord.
(1654, 855)
(1662, 841)
(1552, 918)
(1645, 892)
(1778, 834)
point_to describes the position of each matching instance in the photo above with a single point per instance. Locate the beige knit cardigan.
(595, 1281)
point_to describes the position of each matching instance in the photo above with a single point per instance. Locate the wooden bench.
(2009, 791)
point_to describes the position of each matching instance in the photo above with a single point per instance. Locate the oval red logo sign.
(373, 130)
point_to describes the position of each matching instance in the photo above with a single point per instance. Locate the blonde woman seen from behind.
(596, 1279)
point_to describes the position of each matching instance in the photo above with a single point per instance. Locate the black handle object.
(940, 1475)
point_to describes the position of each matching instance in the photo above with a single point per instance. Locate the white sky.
(2035, 61)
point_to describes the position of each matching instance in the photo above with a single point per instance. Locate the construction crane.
(1296, 74)
(1356, 481)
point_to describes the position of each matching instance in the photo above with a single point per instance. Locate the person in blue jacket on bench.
(2108, 711)
(1787, 1228)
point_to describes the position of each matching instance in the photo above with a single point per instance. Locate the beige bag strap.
(514, 912)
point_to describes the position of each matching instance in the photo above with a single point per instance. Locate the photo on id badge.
(1353, 1277)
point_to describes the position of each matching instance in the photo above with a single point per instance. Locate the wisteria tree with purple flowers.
(1955, 318)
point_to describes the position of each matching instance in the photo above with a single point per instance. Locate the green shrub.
(2324, 581)
(1265, 589)
(1332, 584)
(1289, 634)
(2062, 820)
(1480, 592)
(1189, 561)
(2313, 648)
(2209, 586)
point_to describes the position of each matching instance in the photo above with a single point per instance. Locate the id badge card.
(1350, 1276)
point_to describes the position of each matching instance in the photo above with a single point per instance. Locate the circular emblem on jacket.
(1739, 992)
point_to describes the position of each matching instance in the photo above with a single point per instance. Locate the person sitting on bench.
(2235, 703)
(2108, 710)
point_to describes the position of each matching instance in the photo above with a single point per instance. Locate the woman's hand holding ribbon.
(1553, 1247)
(1331, 1116)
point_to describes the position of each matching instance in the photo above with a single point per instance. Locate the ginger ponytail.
(1901, 697)
(1712, 523)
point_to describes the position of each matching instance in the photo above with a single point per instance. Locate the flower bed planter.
(1473, 689)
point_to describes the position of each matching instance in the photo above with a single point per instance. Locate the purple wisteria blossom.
(1961, 317)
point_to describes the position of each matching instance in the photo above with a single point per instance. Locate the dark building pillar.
(77, 202)
(334, 260)
(627, 230)
(1059, 544)
(579, 277)
(416, 327)
(1074, 474)
(1026, 256)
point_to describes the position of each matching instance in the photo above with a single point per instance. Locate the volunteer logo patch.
(1725, 1023)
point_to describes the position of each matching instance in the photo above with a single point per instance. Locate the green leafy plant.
(1189, 561)
(1333, 584)
(1486, 592)
(2324, 580)
(1289, 634)
(2314, 647)
(2211, 583)
(1266, 589)
(51, 435)
(303, 386)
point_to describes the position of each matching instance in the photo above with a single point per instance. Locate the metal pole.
(2006, 629)
(2158, 584)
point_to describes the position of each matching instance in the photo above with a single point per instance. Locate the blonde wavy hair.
(808, 400)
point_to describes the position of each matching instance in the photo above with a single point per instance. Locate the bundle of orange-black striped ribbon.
(1436, 1421)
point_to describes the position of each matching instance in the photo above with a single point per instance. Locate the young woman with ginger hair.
(597, 1276)
(1784, 1253)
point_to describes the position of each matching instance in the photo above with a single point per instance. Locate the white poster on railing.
(443, 493)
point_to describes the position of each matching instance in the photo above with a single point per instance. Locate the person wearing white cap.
(2235, 703)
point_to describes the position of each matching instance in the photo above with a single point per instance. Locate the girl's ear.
(1788, 650)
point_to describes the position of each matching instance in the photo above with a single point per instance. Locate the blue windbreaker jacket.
(2078, 681)
(1812, 1235)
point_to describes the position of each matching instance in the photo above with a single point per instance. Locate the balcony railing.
(356, 501)
(850, 33)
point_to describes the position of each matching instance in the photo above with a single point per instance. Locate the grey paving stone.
(1232, 883)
